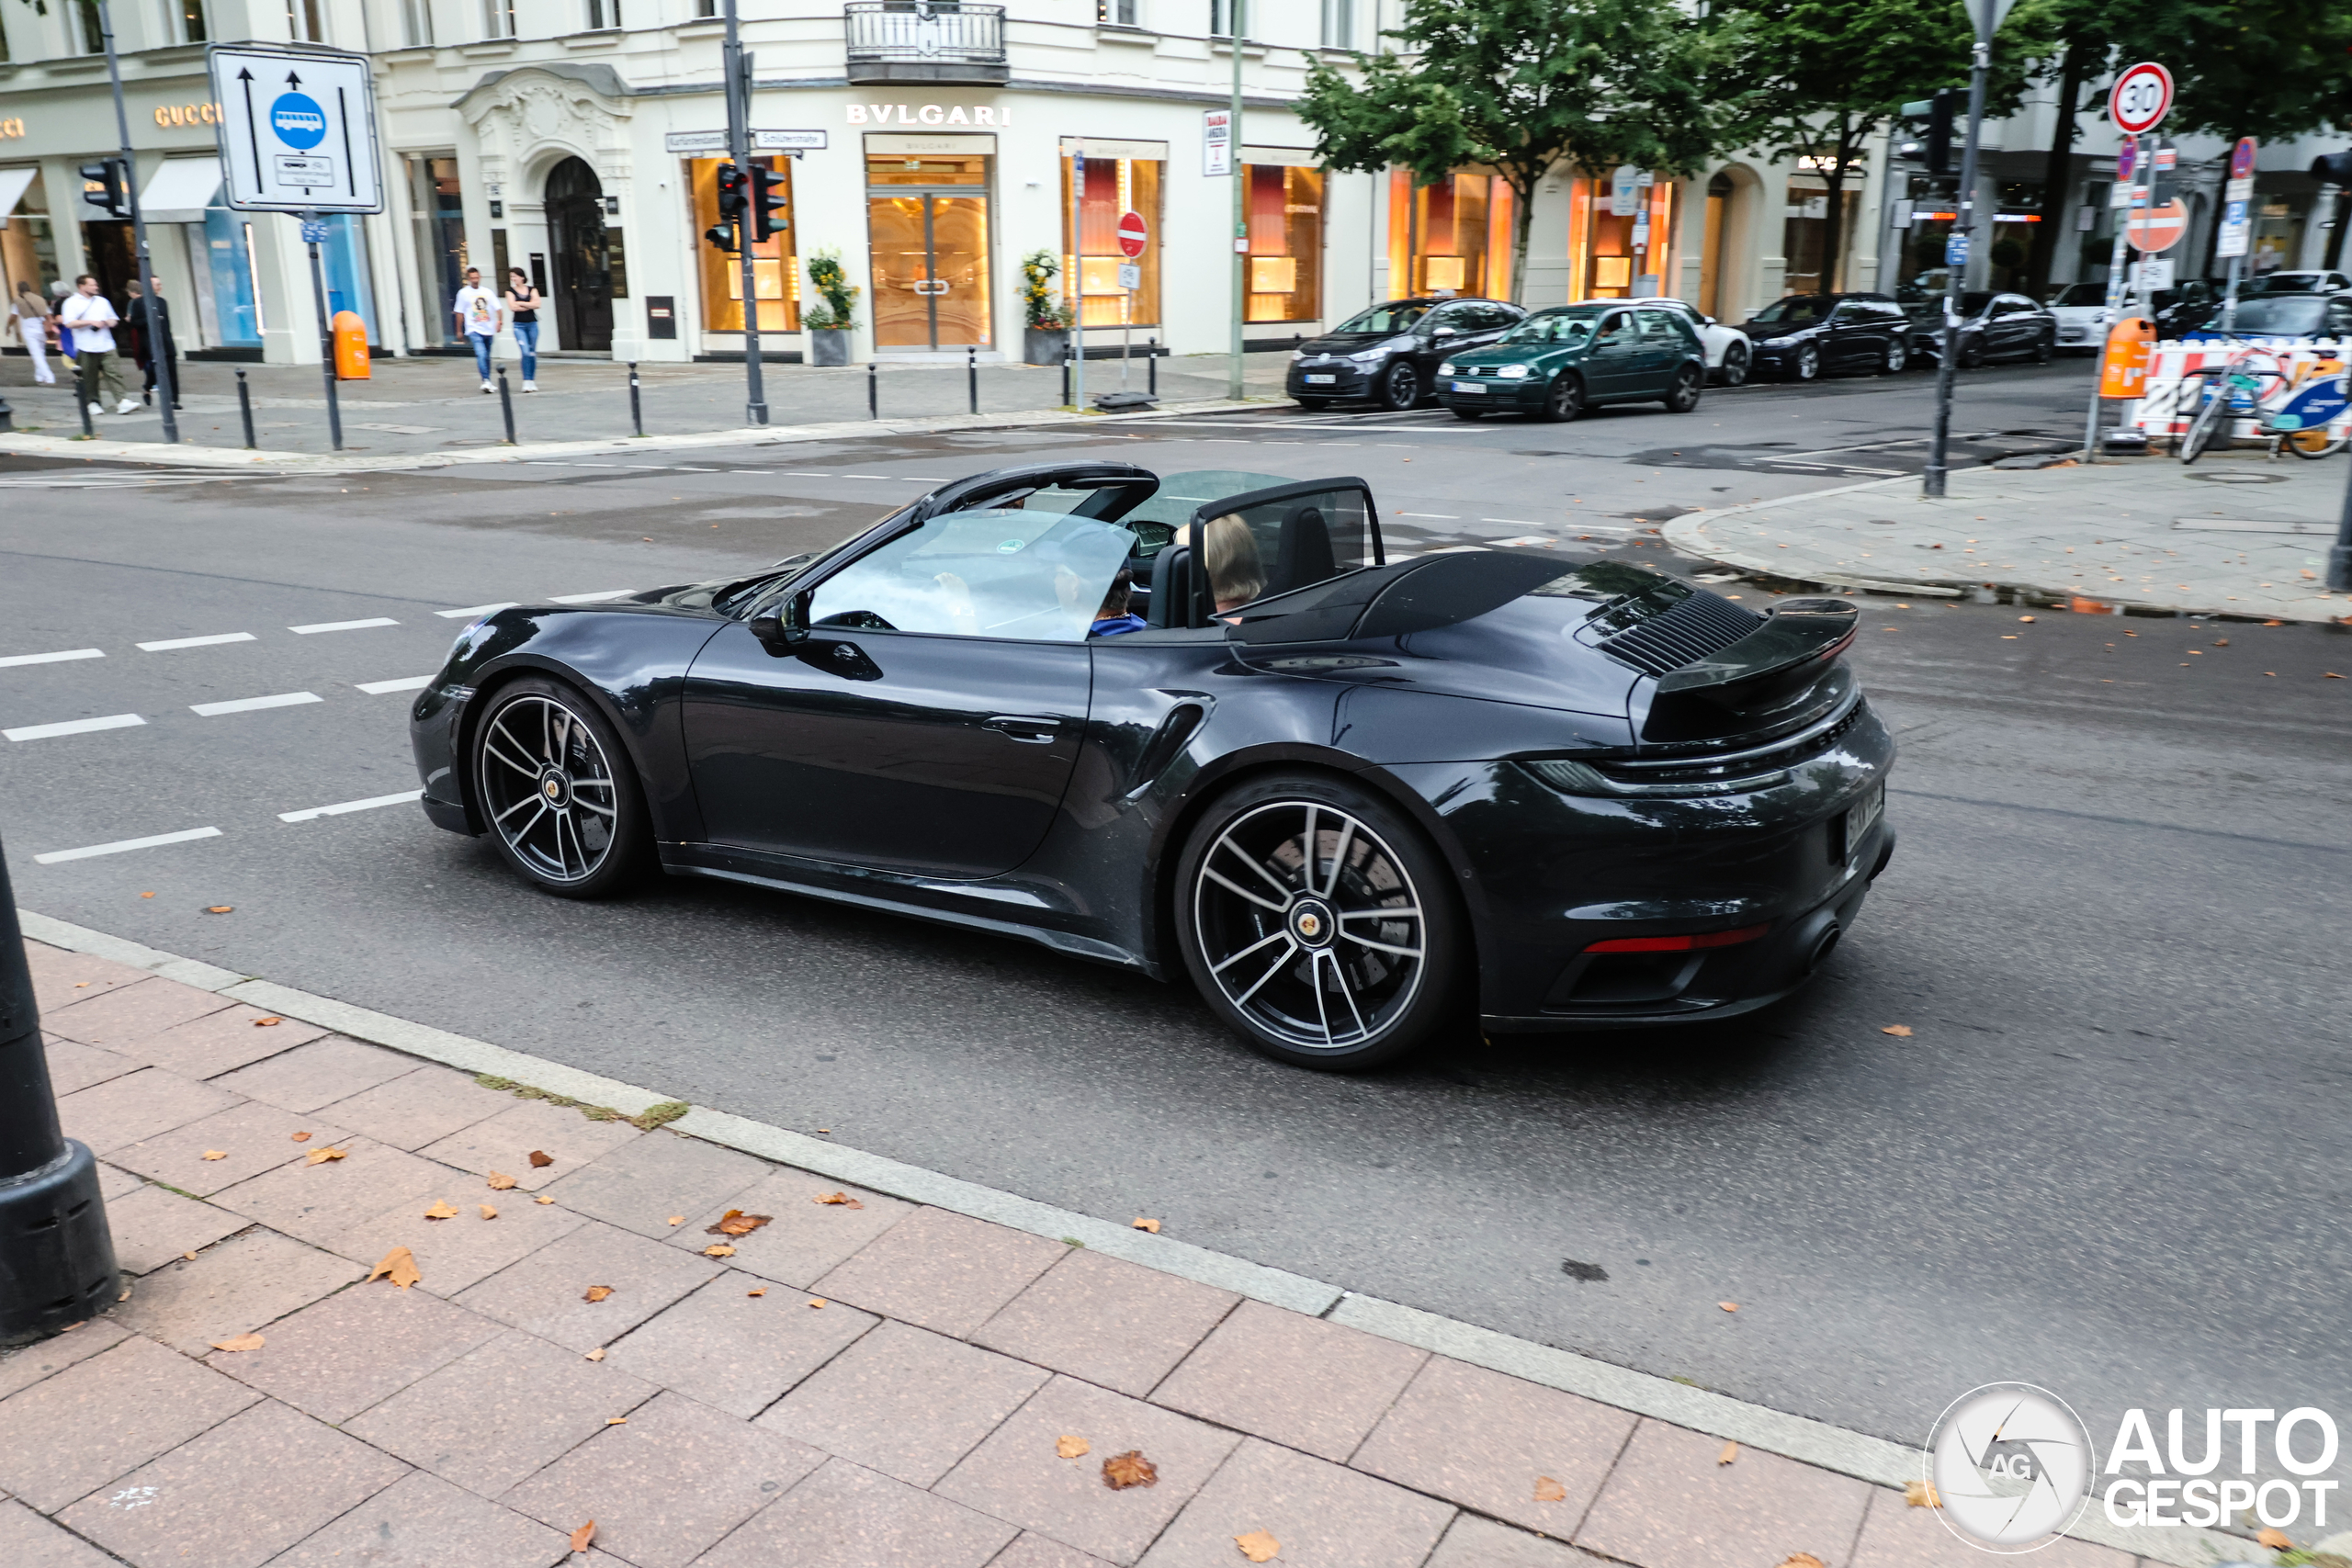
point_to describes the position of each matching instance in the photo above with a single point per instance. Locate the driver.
(1114, 619)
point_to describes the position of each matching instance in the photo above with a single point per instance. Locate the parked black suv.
(1390, 352)
(1801, 336)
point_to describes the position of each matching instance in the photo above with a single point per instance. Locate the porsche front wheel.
(1318, 922)
(556, 791)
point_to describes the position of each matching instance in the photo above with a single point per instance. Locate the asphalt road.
(2107, 1158)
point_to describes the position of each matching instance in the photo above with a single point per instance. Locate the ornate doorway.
(583, 295)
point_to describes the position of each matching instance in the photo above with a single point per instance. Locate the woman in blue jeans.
(522, 303)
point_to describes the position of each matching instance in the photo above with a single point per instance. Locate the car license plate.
(1319, 381)
(1861, 816)
(1468, 387)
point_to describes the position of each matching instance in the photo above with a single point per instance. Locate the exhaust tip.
(1822, 950)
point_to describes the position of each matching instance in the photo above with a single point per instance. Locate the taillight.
(1679, 944)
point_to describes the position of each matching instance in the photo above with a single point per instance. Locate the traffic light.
(105, 187)
(767, 203)
(1940, 110)
(2334, 168)
(733, 200)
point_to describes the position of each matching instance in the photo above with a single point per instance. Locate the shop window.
(1806, 234)
(1449, 238)
(1285, 242)
(775, 277)
(1114, 187)
(436, 208)
(1618, 255)
(227, 253)
(27, 244)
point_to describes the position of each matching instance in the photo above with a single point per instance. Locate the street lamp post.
(57, 1262)
(1236, 21)
(1986, 14)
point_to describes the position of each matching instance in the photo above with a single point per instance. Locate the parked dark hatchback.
(1803, 336)
(1390, 352)
(1556, 364)
(1992, 326)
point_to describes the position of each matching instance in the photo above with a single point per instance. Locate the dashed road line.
(1432, 516)
(472, 610)
(865, 476)
(215, 640)
(73, 727)
(16, 658)
(251, 705)
(405, 683)
(313, 813)
(1527, 541)
(591, 598)
(90, 850)
(1513, 522)
(343, 626)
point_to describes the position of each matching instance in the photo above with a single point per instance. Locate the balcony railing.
(903, 40)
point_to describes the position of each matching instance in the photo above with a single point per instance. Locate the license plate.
(1862, 816)
(1319, 381)
(1468, 387)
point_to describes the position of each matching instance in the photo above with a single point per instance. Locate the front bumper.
(1347, 380)
(1510, 396)
(435, 725)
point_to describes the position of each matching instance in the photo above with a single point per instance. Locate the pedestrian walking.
(91, 320)
(142, 351)
(28, 321)
(523, 302)
(60, 343)
(477, 309)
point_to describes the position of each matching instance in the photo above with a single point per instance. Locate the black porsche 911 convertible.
(1206, 723)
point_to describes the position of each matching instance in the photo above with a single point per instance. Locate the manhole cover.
(2229, 479)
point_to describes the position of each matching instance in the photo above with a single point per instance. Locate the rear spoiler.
(1772, 677)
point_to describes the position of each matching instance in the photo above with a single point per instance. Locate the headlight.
(1297, 354)
(1513, 372)
(1370, 356)
(1446, 368)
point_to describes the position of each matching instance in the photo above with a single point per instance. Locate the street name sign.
(298, 130)
(2141, 99)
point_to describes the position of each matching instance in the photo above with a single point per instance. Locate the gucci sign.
(928, 114)
(10, 130)
(188, 114)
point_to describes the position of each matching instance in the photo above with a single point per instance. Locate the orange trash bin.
(2124, 369)
(350, 347)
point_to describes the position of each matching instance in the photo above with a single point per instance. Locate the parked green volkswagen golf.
(1557, 363)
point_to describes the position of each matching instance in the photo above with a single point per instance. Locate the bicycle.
(2231, 391)
(2313, 423)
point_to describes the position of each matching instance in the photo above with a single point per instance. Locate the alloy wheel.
(1310, 925)
(1400, 387)
(1563, 399)
(548, 788)
(1808, 362)
(1732, 372)
(1684, 395)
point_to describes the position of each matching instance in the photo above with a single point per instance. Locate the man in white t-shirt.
(478, 315)
(89, 321)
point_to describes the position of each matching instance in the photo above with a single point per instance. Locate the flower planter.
(1043, 345)
(828, 346)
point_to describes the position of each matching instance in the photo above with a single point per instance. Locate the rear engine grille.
(1760, 767)
(1689, 629)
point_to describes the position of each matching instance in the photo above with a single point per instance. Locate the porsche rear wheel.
(1318, 922)
(556, 790)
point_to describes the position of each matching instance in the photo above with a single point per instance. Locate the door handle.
(1027, 729)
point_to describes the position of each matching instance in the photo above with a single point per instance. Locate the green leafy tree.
(1522, 86)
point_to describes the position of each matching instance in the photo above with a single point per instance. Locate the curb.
(237, 460)
(1818, 1443)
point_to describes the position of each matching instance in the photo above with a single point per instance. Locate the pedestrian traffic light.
(105, 188)
(734, 199)
(2334, 168)
(1940, 110)
(767, 203)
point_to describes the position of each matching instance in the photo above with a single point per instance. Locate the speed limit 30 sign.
(2141, 99)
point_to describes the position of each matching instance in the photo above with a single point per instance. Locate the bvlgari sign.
(929, 113)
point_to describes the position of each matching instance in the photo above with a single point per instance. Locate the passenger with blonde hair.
(1237, 574)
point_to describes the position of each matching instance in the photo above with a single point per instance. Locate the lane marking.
(1526, 541)
(867, 476)
(343, 626)
(16, 658)
(1514, 522)
(119, 845)
(248, 704)
(214, 641)
(591, 598)
(1434, 516)
(370, 805)
(73, 727)
(405, 683)
(477, 610)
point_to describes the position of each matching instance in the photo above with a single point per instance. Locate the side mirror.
(1443, 331)
(782, 624)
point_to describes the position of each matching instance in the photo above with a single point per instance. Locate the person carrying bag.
(523, 302)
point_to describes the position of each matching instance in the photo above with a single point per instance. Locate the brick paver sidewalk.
(857, 1380)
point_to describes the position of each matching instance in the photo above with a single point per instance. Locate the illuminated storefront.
(1453, 237)
(1285, 217)
(775, 275)
(1121, 177)
(927, 231)
(1620, 236)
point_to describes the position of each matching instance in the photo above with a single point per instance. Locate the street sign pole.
(2237, 224)
(2127, 164)
(1240, 220)
(1956, 265)
(1078, 278)
(738, 66)
(314, 229)
(165, 393)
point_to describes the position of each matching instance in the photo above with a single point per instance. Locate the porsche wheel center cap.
(555, 788)
(1312, 923)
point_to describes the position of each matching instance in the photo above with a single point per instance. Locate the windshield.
(999, 571)
(1392, 318)
(1796, 308)
(2285, 283)
(1560, 327)
(2280, 315)
(2081, 294)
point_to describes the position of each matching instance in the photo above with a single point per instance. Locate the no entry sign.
(2157, 228)
(2141, 99)
(1133, 235)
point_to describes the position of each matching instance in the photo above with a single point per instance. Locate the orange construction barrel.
(350, 347)
(2123, 369)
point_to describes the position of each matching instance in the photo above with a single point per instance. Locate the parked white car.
(1729, 354)
(2081, 309)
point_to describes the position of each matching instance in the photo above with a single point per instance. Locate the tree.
(1818, 79)
(1522, 86)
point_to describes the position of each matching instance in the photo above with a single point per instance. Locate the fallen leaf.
(841, 1200)
(718, 1249)
(124, 1297)
(1068, 1446)
(232, 908)
(828, 1132)
(500, 1181)
(541, 1199)
(487, 1211)
(142, 896)
(1731, 1453)
(72, 1326)
(1803, 1560)
(1258, 1546)
(1130, 1469)
(1728, 1306)
(1900, 1030)
(597, 1293)
(267, 1022)
(216, 1154)
(189, 1256)
(615, 1420)
(583, 1536)
(816, 1300)
(2276, 1540)
(1921, 1494)
(320, 1157)
(399, 1266)
(440, 1211)
(1550, 1491)
(761, 1292)
(677, 1219)
(2027, 619)
(242, 1342)
(597, 1354)
(541, 1160)
(735, 1222)
(1144, 1224)
(302, 1137)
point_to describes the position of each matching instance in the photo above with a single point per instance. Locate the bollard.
(245, 409)
(8, 416)
(506, 404)
(1151, 367)
(1065, 374)
(972, 375)
(636, 407)
(57, 1266)
(873, 391)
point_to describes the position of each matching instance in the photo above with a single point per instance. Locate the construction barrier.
(2312, 392)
